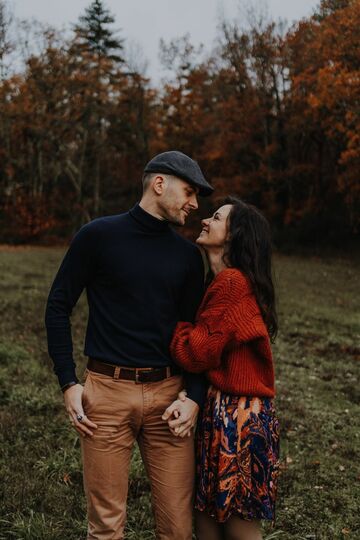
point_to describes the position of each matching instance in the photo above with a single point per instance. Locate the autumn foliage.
(273, 116)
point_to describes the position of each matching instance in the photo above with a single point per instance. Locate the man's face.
(177, 200)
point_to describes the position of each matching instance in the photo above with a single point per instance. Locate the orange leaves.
(272, 117)
(67, 479)
(26, 218)
(314, 101)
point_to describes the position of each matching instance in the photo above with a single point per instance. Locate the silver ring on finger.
(79, 417)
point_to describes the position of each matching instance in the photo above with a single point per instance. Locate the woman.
(237, 438)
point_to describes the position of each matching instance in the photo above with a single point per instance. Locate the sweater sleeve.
(232, 315)
(197, 348)
(71, 279)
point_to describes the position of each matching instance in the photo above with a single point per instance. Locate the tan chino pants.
(125, 412)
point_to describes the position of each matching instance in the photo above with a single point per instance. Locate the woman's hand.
(184, 413)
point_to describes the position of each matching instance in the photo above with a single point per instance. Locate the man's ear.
(159, 184)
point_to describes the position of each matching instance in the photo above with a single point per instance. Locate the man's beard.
(174, 219)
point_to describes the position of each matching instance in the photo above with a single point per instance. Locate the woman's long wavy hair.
(249, 249)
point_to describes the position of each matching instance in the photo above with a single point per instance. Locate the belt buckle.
(139, 371)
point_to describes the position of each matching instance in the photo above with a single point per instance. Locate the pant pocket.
(87, 395)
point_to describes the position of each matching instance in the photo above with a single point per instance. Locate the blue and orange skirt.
(237, 457)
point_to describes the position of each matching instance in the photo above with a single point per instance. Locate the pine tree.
(94, 33)
(97, 50)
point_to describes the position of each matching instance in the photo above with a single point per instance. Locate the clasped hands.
(181, 415)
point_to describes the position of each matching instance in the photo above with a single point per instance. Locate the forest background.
(272, 115)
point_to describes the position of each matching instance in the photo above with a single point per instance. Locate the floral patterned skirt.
(237, 457)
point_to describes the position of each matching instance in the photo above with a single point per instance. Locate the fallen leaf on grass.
(345, 531)
(341, 468)
(67, 479)
(288, 459)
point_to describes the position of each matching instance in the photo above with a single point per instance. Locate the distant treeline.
(273, 115)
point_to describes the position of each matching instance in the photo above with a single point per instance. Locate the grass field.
(317, 359)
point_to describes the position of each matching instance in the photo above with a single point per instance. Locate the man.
(141, 277)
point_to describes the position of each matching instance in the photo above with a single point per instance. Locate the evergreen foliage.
(94, 32)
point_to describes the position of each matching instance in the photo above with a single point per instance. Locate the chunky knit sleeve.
(197, 348)
(229, 313)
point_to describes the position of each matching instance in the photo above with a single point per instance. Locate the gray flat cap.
(182, 166)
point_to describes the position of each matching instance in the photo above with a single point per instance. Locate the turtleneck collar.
(149, 222)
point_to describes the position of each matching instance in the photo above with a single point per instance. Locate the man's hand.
(74, 407)
(181, 416)
(182, 395)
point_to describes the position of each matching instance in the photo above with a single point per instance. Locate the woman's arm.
(199, 347)
(232, 314)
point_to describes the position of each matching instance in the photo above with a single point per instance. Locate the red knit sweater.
(229, 340)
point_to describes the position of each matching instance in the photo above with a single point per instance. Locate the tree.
(327, 7)
(6, 45)
(324, 108)
(97, 50)
(94, 34)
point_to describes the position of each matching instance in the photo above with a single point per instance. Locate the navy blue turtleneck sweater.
(141, 277)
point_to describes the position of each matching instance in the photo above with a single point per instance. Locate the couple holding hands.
(166, 356)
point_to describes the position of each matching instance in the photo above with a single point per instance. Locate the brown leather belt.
(139, 375)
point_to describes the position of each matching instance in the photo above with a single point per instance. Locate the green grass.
(317, 374)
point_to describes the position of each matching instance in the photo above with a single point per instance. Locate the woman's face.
(214, 229)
